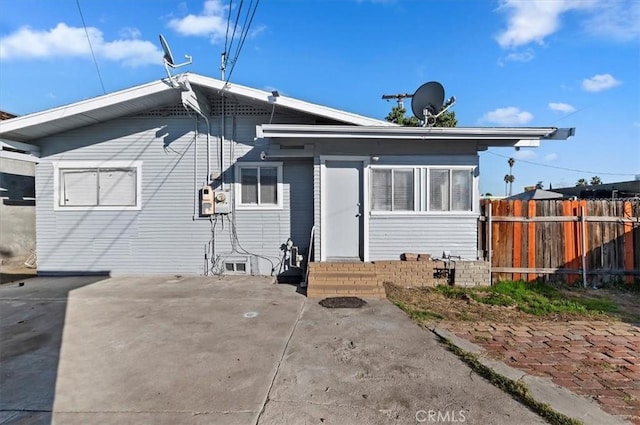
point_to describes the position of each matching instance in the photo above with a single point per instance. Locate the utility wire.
(226, 35)
(243, 35)
(235, 27)
(563, 168)
(93, 55)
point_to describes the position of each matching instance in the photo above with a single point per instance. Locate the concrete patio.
(195, 350)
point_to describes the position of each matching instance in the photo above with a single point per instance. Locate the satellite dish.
(168, 56)
(429, 97)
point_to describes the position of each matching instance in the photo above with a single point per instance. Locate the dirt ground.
(449, 309)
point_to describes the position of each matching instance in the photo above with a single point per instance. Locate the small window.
(259, 185)
(392, 189)
(233, 267)
(80, 185)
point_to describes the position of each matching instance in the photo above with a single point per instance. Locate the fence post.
(489, 237)
(628, 243)
(517, 238)
(531, 240)
(584, 245)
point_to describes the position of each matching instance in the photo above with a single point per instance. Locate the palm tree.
(511, 161)
(539, 185)
(508, 180)
(581, 182)
(596, 180)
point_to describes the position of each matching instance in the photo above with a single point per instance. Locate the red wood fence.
(562, 239)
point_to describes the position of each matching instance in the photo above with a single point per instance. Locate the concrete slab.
(145, 349)
(373, 365)
(195, 350)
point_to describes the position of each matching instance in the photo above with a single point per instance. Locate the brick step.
(344, 282)
(344, 273)
(343, 278)
(323, 291)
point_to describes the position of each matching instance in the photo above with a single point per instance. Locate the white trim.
(19, 156)
(490, 136)
(67, 164)
(238, 186)
(92, 111)
(365, 160)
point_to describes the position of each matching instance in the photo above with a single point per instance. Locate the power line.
(235, 27)
(226, 36)
(93, 55)
(563, 168)
(243, 34)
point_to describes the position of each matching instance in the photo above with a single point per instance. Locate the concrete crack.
(286, 347)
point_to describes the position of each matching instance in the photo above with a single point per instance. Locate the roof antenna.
(167, 59)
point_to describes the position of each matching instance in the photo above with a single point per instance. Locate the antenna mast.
(400, 97)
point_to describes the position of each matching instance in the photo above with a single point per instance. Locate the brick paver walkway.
(593, 358)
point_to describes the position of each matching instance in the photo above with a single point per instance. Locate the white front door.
(343, 210)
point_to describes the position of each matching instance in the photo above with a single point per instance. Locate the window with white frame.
(421, 189)
(392, 189)
(105, 185)
(260, 184)
(450, 189)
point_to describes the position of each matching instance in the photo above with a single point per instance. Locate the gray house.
(194, 176)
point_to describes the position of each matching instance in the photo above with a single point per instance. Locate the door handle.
(359, 215)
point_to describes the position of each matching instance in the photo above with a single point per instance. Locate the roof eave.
(526, 136)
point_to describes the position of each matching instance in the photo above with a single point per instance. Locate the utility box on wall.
(221, 202)
(206, 201)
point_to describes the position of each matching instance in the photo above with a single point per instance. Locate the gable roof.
(157, 93)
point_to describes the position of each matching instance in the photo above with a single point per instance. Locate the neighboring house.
(120, 177)
(535, 194)
(626, 189)
(17, 202)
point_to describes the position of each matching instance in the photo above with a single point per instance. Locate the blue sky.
(563, 63)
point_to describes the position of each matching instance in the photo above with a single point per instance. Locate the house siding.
(429, 233)
(389, 237)
(163, 236)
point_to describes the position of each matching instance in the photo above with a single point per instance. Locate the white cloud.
(66, 41)
(211, 22)
(507, 116)
(525, 56)
(533, 20)
(599, 82)
(617, 19)
(551, 157)
(561, 107)
(130, 32)
(525, 154)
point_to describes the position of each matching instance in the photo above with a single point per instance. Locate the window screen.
(249, 183)
(268, 185)
(438, 190)
(461, 190)
(259, 185)
(98, 187)
(381, 190)
(403, 190)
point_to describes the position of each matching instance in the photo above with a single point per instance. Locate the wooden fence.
(574, 241)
